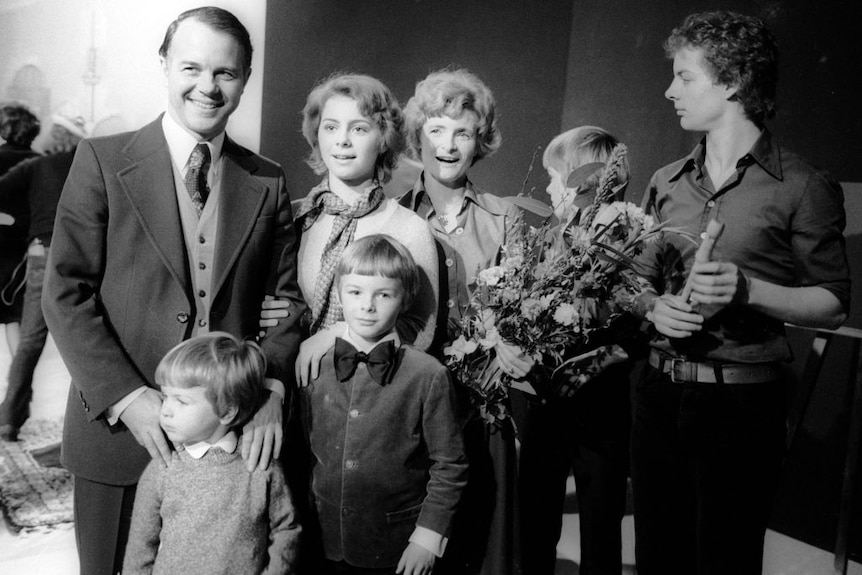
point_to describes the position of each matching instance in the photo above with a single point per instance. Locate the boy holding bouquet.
(583, 426)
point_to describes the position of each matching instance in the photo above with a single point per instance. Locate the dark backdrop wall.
(557, 64)
(617, 74)
(519, 49)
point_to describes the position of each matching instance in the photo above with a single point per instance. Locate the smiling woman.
(451, 124)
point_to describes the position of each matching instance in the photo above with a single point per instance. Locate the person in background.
(163, 234)
(708, 429)
(18, 128)
(584, 425)
(451, 124)
(389, 465)
(41, 181)
(354, 127)
(205, 513)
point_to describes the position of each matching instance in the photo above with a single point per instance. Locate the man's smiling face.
(205, 78)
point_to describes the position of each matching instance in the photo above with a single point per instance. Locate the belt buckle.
(674, 361)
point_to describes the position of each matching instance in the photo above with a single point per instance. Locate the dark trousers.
(344, 568)
(103, 514)
(483, 530)
(587, 435)
(34, 333)
(705, 462)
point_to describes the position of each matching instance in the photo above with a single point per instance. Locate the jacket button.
(183, 317)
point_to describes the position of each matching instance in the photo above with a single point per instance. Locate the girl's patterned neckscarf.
(325, 309)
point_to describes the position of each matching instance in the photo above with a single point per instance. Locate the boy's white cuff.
(430, 540)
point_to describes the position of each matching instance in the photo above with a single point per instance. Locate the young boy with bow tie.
(389, 463)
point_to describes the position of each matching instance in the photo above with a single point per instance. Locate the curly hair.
(374, 100)
(738, 50)
(452, 93)
(18, 125)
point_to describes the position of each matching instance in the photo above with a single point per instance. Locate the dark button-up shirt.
(783, 223)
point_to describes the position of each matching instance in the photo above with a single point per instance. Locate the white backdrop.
(115, 43)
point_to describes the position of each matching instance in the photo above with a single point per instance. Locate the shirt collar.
(181, 143)
(392, 335)
(765, 152)
(227, 443)
(420, 202)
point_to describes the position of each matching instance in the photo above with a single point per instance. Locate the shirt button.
(459, 231)
(345, 511)
(202, 293)
(703, 235)
(449, 262)
(202, 266)
(354, 413)
(710, 203)
(182, 317)
(202, 322)
(202, 240)
(350, 464)
(450, 303)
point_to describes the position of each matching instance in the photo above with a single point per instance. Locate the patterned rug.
(33, 496)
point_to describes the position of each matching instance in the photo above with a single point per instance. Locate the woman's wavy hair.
(453, 93)
(375, 101)
(738, 50)
(18, 125)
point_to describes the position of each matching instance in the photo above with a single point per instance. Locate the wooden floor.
(53, 552)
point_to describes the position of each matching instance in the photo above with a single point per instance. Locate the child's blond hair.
(231, 370)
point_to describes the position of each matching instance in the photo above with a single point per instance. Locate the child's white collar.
(392, 335)
(228, 443)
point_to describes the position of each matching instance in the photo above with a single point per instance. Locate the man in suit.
(162, 234)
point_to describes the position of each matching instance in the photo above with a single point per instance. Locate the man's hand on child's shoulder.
(262, 436)
(416, 560)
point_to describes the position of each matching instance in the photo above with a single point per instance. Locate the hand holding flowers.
(554, 286)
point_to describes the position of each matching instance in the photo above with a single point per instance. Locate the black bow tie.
(380, 361)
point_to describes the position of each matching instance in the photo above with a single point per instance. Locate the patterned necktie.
(325, 309)
(380, 361)
(196, 177)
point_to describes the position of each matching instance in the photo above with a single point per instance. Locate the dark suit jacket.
(118, 289)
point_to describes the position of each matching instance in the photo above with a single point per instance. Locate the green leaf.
(578, 177)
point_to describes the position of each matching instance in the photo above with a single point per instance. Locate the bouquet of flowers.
(554, 286)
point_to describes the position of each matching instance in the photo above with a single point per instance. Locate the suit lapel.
(241, 201)
(149, 185)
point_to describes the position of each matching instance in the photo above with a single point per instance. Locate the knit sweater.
(211, 516)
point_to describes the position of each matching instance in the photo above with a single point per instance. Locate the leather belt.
(681, 371)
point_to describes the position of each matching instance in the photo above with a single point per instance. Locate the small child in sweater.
(205, 512)
(389, 463)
